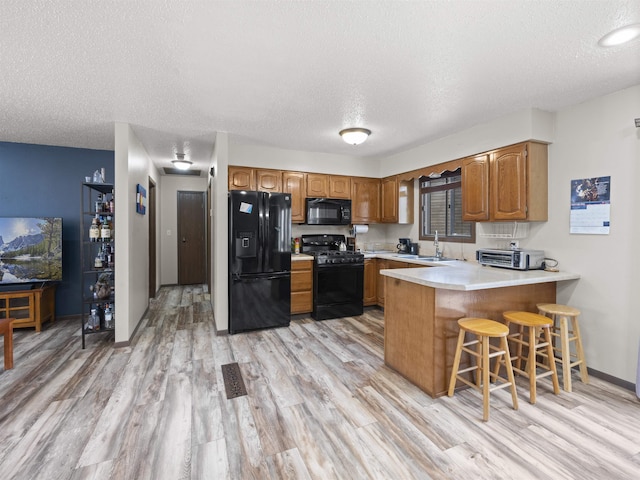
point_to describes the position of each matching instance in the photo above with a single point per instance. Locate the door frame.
(151, 208)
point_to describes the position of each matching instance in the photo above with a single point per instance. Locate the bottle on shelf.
(105, 231)
(94, 229)
(108, 316)
(93, 322)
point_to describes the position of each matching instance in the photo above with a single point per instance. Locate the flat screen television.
(30, 250)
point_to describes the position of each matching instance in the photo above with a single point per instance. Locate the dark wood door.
(191, 238)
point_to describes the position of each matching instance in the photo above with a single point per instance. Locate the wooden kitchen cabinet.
(320, 185)
(242, 178)
(389, 200)
(365, 200)
(370, 282)
(295, 183)
(268, 180)
(301, 286)
(339, 186)
(317, 185)
(383, 264)
(475, 188)
(507, 184)
(396, 200)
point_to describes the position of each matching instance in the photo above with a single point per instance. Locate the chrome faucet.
(436, 243)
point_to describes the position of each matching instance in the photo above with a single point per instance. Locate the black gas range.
(338, 277)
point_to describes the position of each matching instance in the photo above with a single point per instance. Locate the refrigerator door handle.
(267, 233)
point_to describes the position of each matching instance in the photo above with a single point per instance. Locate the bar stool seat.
(483, 329)
(561, 316)
(530, 326)
(6, 330)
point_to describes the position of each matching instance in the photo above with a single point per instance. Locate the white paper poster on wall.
(590, 206)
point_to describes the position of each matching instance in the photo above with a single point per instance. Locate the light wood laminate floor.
(320, 405)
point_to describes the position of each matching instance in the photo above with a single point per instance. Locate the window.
(441, 209)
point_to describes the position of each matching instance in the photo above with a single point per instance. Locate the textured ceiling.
(291, 74)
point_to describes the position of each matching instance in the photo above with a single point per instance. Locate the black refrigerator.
(259, 260)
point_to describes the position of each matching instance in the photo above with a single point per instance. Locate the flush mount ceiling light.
(181, 163)
(620, 35)
(355, 136)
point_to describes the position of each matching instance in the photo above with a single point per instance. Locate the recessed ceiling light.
(181, 163)
(620, 35)
(355, 136)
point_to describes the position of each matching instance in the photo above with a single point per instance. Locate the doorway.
(152, 238)
(191, 238)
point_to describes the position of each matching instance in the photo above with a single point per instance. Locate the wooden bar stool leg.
(584, 375)
(456, 363)
(510, 377)
(566, 353)
(519, 349)
(485, 378)
(531, 363)
(551, 360)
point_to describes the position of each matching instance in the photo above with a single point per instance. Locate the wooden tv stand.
(29, 308)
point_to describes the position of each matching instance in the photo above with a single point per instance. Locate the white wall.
(530, 124)
(219, 234)
(598, 138)
(132, 167)
(297, 160)
(168, 216)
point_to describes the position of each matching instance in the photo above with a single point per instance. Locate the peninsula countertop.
(464, 275)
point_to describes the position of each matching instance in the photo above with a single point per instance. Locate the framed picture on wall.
(141, 199)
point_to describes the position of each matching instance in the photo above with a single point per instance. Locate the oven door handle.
(340, 265)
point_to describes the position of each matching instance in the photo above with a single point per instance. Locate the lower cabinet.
(301, 286)
(370, 296)
(380, 279)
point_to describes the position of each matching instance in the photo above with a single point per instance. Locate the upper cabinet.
(365, 200)
(268, 180)
(317, 185)
(389, 200)
(339, 186)
(507, 184)
(295, 183)
(242, 178)
(320, 185)
(475, 188)
(396, 203)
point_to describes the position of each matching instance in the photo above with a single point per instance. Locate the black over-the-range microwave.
(328, 211)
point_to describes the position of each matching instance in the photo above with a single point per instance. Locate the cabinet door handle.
(184, 240)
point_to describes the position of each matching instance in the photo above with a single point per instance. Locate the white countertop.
(300, 256)
(461, 275)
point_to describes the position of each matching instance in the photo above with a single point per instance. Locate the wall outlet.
(513, 244)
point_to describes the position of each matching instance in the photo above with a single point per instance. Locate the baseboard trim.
(611, 379)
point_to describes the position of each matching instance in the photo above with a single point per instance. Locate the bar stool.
(483, 329)
(530, 325)
(6, 330)
(560, 330)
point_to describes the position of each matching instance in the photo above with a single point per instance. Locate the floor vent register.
(233, 383)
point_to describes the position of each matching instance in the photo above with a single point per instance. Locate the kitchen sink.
(428, 258)
(433, 258)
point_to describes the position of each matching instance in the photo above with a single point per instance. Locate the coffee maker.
(404, 246)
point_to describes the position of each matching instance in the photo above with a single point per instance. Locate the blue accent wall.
(46, 181)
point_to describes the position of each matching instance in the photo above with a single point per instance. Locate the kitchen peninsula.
(422, 306)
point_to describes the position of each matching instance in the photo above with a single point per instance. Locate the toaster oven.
(518, 259)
